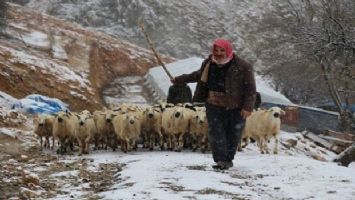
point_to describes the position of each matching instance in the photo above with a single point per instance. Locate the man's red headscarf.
(225, 44)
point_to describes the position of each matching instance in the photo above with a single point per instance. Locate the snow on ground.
(161, 83)
(189, 175)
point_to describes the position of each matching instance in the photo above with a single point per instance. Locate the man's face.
(219, 53)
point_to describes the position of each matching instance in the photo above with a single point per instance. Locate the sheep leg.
(47, 144)
(180, 142)
(53, 142)
(170, 142)
(96, 142)
(160, 137)
(87, 145)
(129, 147)
(105, 141)
(194, 141)
(151, 142)
(41, 139)
(61, 146)
(134, 144)
(204, 144)
(146, 139)
(69, 143)
(265, 147)
(260, 144)
(80, 147)
(276, 143)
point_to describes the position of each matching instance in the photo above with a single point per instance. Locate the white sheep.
(64, 129)
(175, 122)
(86, 131)
(105, 131)
(98, 138)
(199, 130)
(127, 128)
(262, 125)
(152, 127)
(44, 128)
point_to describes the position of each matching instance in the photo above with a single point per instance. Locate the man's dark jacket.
(240, 88)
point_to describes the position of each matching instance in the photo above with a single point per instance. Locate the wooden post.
(150, 44)
(347, 156)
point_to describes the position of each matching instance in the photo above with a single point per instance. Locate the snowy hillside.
(189, 33)
(60, 59)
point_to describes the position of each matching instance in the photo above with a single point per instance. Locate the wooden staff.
(150, 44)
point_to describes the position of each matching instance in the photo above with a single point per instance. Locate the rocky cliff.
(45, 55)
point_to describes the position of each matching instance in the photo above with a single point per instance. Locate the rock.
(291, 142)
(318, 157)
(28, 177)
(24, 158)
(12, 161)
(26, 193)
(322, 151)
(345, 181)
(299, 137)
(313, 146)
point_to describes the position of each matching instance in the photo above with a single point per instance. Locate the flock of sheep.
(162, 125)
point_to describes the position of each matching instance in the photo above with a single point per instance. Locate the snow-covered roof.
(161, 83)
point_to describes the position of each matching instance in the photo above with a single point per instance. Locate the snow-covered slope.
(60, 59)
(188, 33)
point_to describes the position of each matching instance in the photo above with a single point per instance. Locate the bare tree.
(322, 34)
(325, 32)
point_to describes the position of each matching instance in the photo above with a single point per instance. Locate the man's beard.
(219, 60)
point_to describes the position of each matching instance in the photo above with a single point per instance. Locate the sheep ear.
(68, 112)
(186, 105)
(283, 112)
(169, 105)
(118, 109)
(157, 110)
(190, 106)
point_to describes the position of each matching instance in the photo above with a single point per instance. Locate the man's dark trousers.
(224, 131)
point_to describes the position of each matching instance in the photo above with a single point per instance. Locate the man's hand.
(173, 81)
(245, 113)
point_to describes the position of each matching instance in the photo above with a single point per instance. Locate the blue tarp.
(35, 103)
